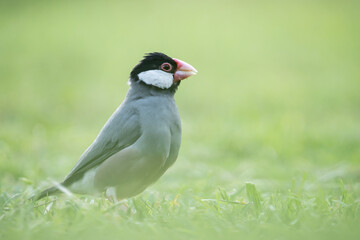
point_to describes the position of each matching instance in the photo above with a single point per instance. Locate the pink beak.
(184, 70)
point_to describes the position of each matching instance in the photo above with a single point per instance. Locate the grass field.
(271, 124)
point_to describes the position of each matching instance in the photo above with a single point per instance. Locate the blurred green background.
(276, 102)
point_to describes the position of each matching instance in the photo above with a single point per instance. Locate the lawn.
(271, 123)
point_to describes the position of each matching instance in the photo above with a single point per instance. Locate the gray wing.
(119, 132)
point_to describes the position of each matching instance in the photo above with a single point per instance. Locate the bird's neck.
(139, 89)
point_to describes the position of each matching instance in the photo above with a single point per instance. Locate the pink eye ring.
(167, 67)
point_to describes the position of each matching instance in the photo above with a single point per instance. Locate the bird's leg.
(111, 195)
(124, 206)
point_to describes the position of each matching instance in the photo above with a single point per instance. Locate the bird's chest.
(160, 124)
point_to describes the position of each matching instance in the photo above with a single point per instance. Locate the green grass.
(271, 137)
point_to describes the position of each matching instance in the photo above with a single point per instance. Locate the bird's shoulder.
(120, 131)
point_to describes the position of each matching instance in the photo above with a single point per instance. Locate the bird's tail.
(47, 192)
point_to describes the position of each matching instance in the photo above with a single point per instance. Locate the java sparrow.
(141, 139)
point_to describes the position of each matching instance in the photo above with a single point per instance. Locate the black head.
(154, 61)
(161, 72)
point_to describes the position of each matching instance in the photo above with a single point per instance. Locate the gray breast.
(161, 126)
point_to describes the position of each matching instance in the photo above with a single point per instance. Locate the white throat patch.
(157, 78)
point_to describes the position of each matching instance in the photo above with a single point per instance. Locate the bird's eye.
(167, 67)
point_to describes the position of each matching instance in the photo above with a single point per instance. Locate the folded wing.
(121, 131)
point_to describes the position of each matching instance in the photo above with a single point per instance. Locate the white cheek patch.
(157, 78)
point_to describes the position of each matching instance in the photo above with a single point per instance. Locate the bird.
(140, 140)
